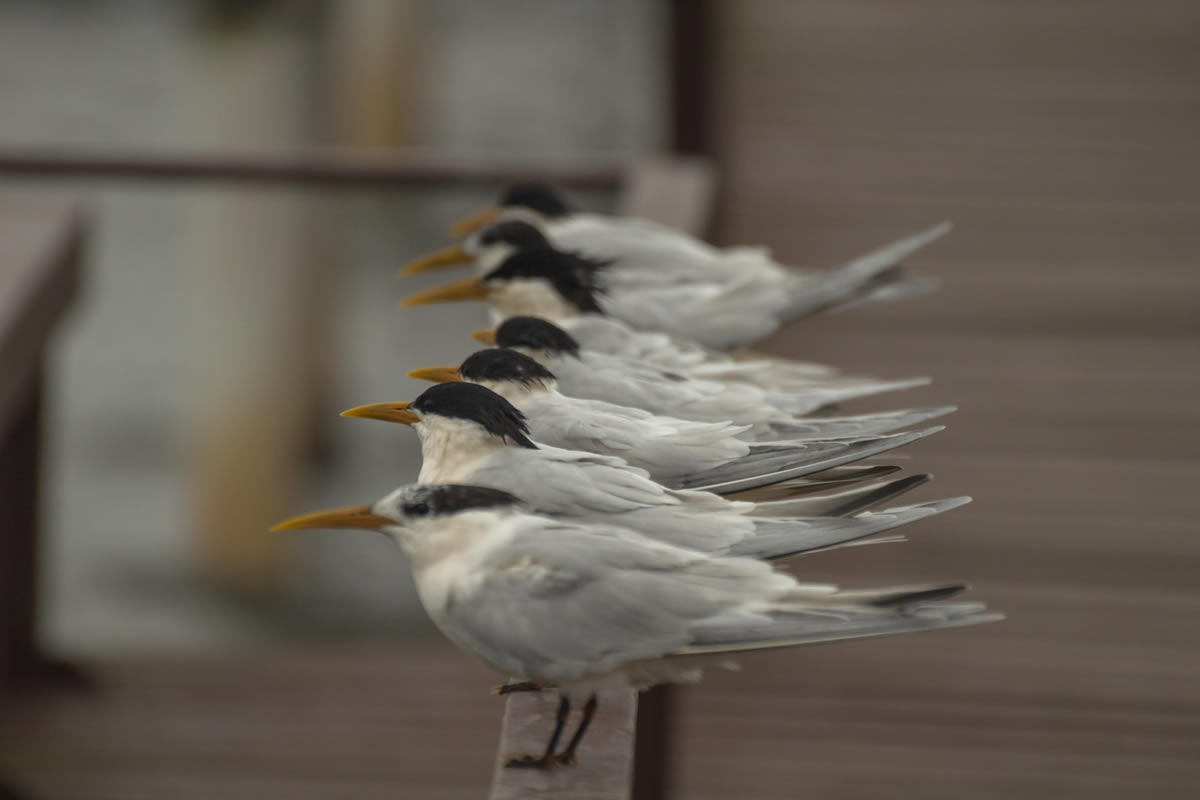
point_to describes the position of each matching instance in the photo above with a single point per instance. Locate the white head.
(493, 245)
(412, 513)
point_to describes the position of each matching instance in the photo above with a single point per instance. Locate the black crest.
(536, 334)
(478, 404)
(450, 498)
(515, 232)
(499, 364)
(570, 275)
(539, 197)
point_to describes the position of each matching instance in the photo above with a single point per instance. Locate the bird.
(469, 434)
(646, 253)
(535, 282)
(588, 374)
(580, 608)
(741, 308)
(674, 452)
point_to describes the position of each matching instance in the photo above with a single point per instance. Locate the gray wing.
(663, 446)
(556, 481)
(561, 601)
(599, 489)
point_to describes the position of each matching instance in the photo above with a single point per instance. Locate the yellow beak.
(436, 374)
(468, 225)
(446, 257)
(347, 517)
(388, 412)
(466, 289)
(485, 336)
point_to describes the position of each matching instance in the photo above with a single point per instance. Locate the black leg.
(589, 710)
(547, 758)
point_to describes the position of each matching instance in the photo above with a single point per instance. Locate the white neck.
(432, 539)
(531, 297)
(450, 449)
(492, 256)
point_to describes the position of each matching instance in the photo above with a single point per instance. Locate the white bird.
(675, 452)
(545, 283)
(471, 435)
(647, 255)
(771, 415)
(581, 608)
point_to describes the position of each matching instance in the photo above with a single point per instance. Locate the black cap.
(539, 197)
(499, 364)
(536, 334)
(515, 232)
(450, 498)
(570, 275)
(478, 404)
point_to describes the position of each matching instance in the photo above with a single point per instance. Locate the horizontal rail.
(335, 168)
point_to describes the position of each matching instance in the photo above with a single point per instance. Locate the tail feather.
(856, 425)
(816, 482)
(764, 460)
(841, 504)
(806, 623)
(776, 539)
(855, 450)
(813, 398)
(888, 292)
(843, 283)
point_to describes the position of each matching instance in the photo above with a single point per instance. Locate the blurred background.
(192, 391)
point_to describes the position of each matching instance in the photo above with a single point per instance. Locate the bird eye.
(417, 510)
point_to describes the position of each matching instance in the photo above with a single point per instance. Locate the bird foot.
(528, 761)
(519, 686)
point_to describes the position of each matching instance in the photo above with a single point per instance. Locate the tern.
(581, 608)
(588, 374)
(675, 452)
(541, 282)
(647, 255)
(469, 434)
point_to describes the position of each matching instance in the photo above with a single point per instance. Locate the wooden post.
(676, 192)
(40, 244)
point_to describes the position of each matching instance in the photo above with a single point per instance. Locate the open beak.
(347, 517)
(485, 336)
(466, 289)
(446, 257)
(468, 225)
(388, 412)
(436, 374)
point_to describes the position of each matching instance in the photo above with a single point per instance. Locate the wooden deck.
(1061, 139)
